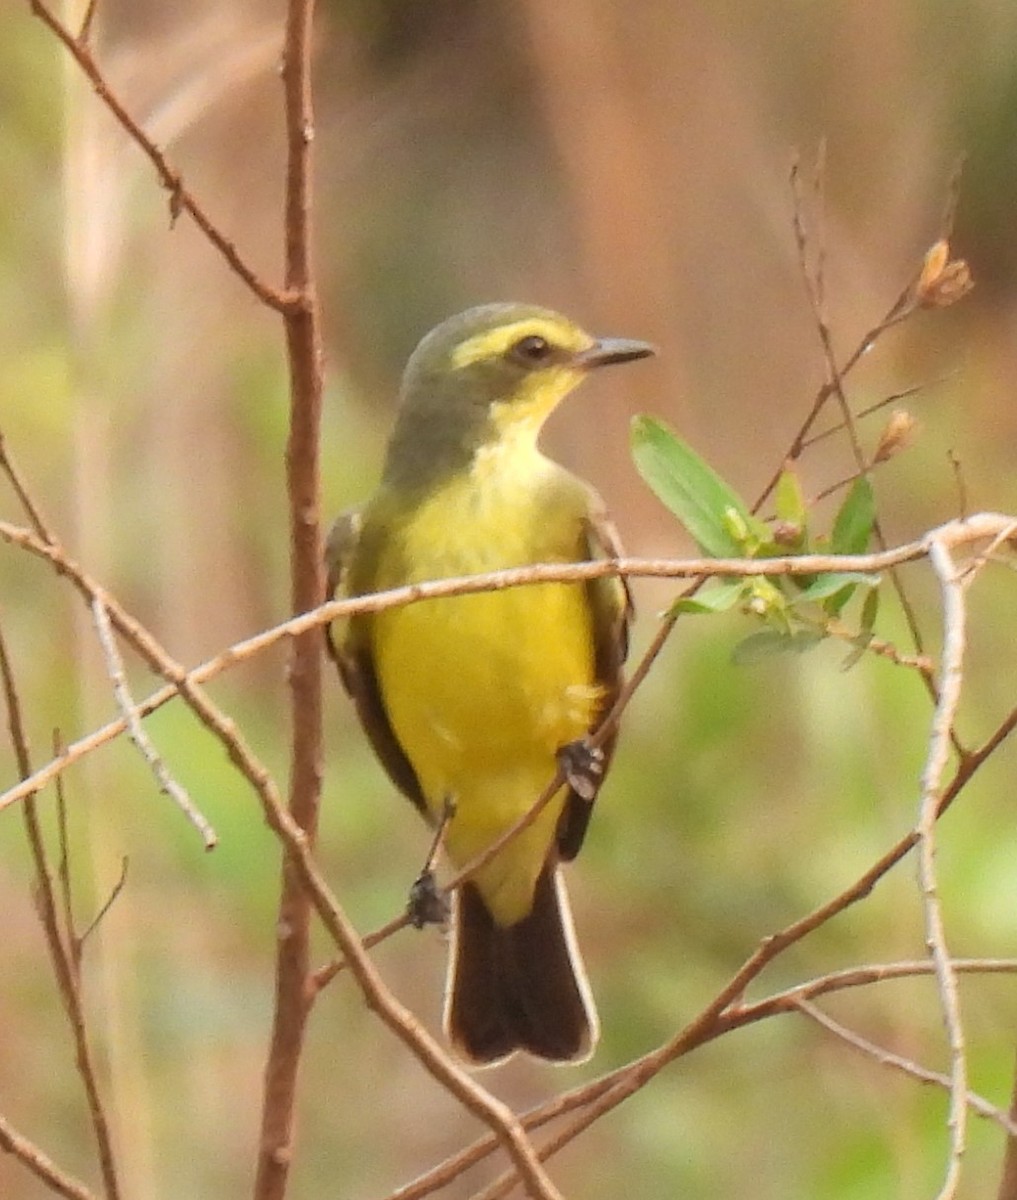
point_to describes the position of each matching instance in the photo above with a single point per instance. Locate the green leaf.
(711, 511)
(715, 598)
(769, 642)
(869, 610)
(789, 499)
(852, 527)
(831, 582)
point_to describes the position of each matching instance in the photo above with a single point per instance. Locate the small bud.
(897, 435)
(786, 533)
(943, 280)
(936, 258)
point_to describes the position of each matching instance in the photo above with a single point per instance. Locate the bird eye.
(532, 349)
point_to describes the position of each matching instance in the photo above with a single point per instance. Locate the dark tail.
(521, 987)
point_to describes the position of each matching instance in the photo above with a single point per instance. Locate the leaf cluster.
(796, 611)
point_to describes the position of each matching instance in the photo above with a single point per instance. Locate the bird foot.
(427, 903)
(583, 767)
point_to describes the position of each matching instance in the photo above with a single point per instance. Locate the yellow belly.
(482, 690)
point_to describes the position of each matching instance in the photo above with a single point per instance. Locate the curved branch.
(180, 199)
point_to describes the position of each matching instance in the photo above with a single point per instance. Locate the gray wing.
(611, 604)
(349, 648)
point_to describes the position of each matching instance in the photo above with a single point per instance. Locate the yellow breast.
(482, 690)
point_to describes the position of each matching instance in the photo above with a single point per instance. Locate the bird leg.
(582, 764)
(427, 903)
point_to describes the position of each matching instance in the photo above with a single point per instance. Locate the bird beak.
(606, 351)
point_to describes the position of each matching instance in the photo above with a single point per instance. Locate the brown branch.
(125, 702)
(41, 1166)
(948, 700)
(85, 31)
(814, 286)
(64, 864)
(956, 533)
(35, 517)
(907, 1066)
(181, 199)
(906, 303)
(894, 397)
(734, 1017)
(506, 1127)
(395, 1016)
(1008, 1181)
(303, 340)
(63, 955)
(103, 909)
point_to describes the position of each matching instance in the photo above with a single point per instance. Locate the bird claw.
(427, 904)
(583, 767)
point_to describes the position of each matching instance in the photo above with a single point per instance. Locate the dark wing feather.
(612, 608)
(349, 648)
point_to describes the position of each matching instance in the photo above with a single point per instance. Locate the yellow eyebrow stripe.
(495, 342)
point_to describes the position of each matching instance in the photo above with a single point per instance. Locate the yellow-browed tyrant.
(472, 702)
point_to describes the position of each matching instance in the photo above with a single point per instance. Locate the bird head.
(491, 373)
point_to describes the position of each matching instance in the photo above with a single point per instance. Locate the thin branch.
(64, 863)
(41, 1166)
(951, 679)
(85, 32)
(956, 533)
(894, 398)
(874, 645)
(303, 472)
(906, 1066)
(181, 199)
(815, 288)
(899, 311)
(63, 957)
(734, 1018)
(35, 517)
(107, 904)
(398, 1019)
(835, 384)
(977, 527)
(125, 702)
(1008, 1180)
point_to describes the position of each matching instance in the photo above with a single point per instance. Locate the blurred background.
(629, 165)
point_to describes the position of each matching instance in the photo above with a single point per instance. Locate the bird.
(473, 702)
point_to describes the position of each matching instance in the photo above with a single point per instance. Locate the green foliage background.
(632, 170)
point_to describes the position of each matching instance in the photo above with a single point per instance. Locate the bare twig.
(906, 1066)
(87, 21)
(1008, 1180)
(303, 455)
(393, 1014)
(893, 398)
(181, 199)
(62, 957)
(977, 527)
(107, 904)
(951, 678)
(958, 478)
(815, 288)
(907, 302)
(737, 1016)
(64, 861)
(957, 533)
(35, 517)
(875, 645)
(41, 1166)
(125, 702)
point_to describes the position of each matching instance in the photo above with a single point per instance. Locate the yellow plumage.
(472, 701)
(481, 705)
